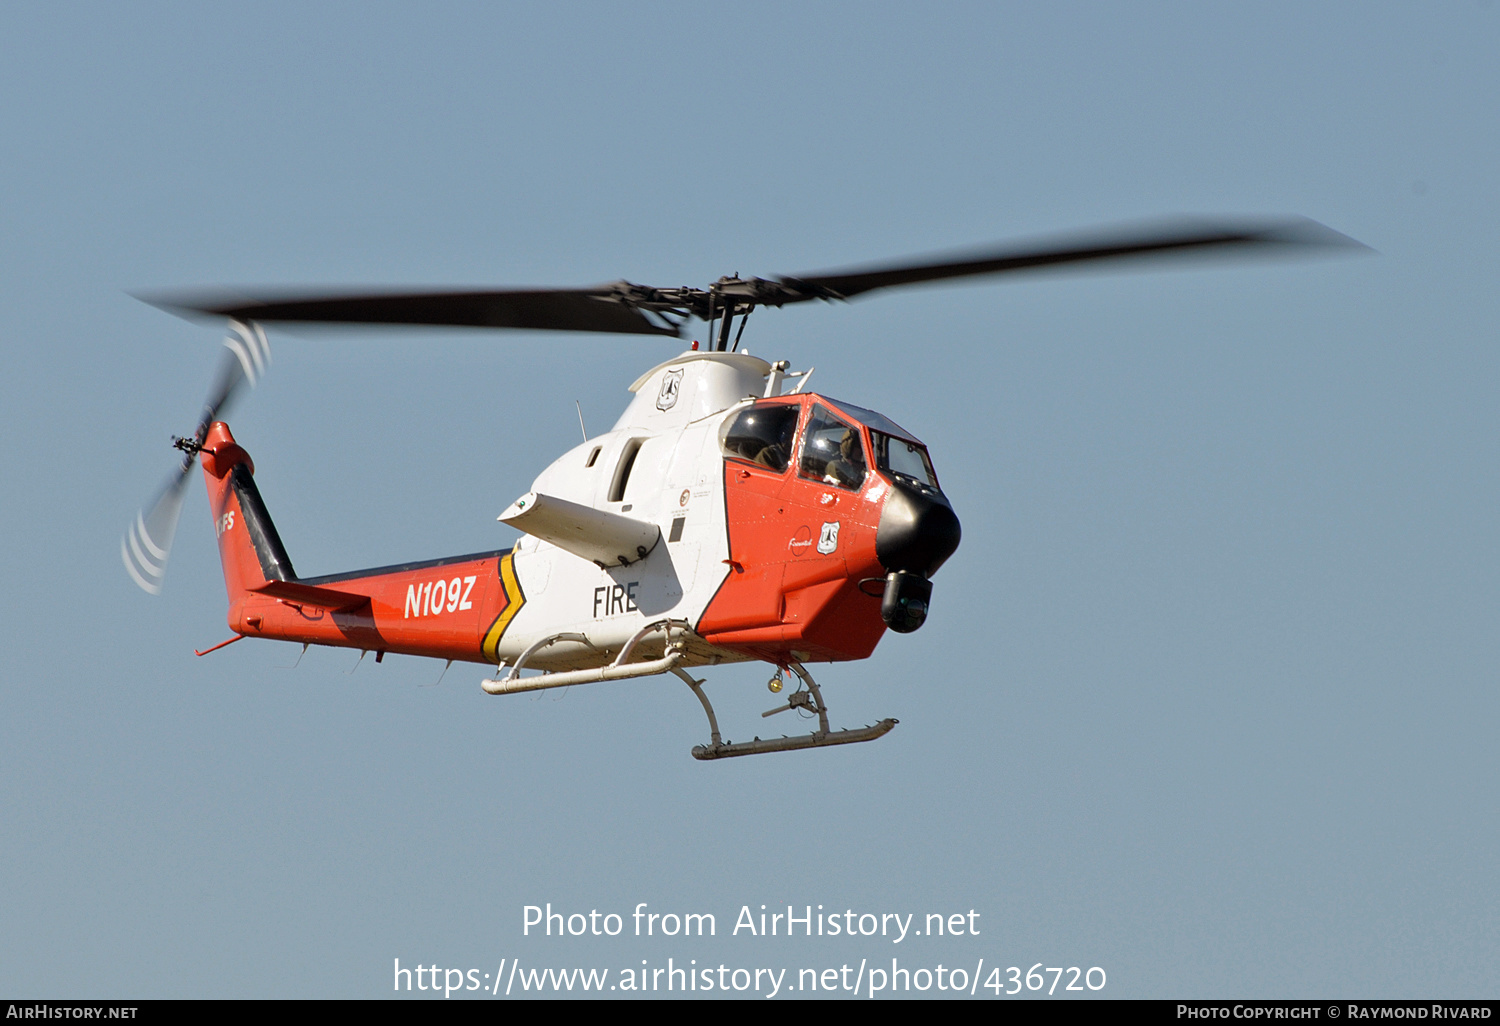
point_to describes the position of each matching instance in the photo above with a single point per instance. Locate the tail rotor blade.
(246, 357)
(148, 541)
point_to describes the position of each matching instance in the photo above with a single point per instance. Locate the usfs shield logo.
(829, 539)
(671, 383)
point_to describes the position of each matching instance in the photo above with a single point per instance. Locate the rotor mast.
(729, 305)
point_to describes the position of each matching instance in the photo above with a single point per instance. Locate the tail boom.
(454, 608)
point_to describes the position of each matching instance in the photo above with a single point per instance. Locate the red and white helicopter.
(729, 514)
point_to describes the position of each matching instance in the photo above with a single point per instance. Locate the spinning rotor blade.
(148, 541)
(606, 308)
(625, 308)
(246, 358)
(1168, 238)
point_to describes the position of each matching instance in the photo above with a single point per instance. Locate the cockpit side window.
(899, 457)
(762, 434)
(832, 451)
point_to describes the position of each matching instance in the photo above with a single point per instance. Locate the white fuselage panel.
(659, 464)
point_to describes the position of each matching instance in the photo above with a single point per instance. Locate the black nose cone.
(918, 529)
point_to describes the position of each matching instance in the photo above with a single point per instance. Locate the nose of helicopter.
(918, 531)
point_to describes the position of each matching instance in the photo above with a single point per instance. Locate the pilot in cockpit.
(834, 453)
(844, 468)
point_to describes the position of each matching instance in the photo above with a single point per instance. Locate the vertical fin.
(249, 547)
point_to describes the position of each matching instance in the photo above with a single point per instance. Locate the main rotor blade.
(1181, 237)
(624, 308)
(595, 309)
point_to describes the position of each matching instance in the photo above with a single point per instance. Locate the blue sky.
(1207, 698)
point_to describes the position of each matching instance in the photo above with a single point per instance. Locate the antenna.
(580, 420)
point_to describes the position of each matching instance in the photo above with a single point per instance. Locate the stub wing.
(328, 598)
(597, 535)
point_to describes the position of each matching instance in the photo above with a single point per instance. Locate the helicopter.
(729, 515)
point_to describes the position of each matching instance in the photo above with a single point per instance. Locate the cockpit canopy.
(839, 442)
(897, 451)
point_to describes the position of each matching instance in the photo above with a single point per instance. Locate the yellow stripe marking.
(514, 600)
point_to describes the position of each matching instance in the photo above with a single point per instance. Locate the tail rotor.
(147, 543)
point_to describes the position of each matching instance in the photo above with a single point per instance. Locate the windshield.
(901, 458)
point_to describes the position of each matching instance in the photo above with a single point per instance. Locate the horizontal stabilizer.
(597, 535)
(309, 595)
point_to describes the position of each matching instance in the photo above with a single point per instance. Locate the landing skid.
(811, 699)
(622, 668)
